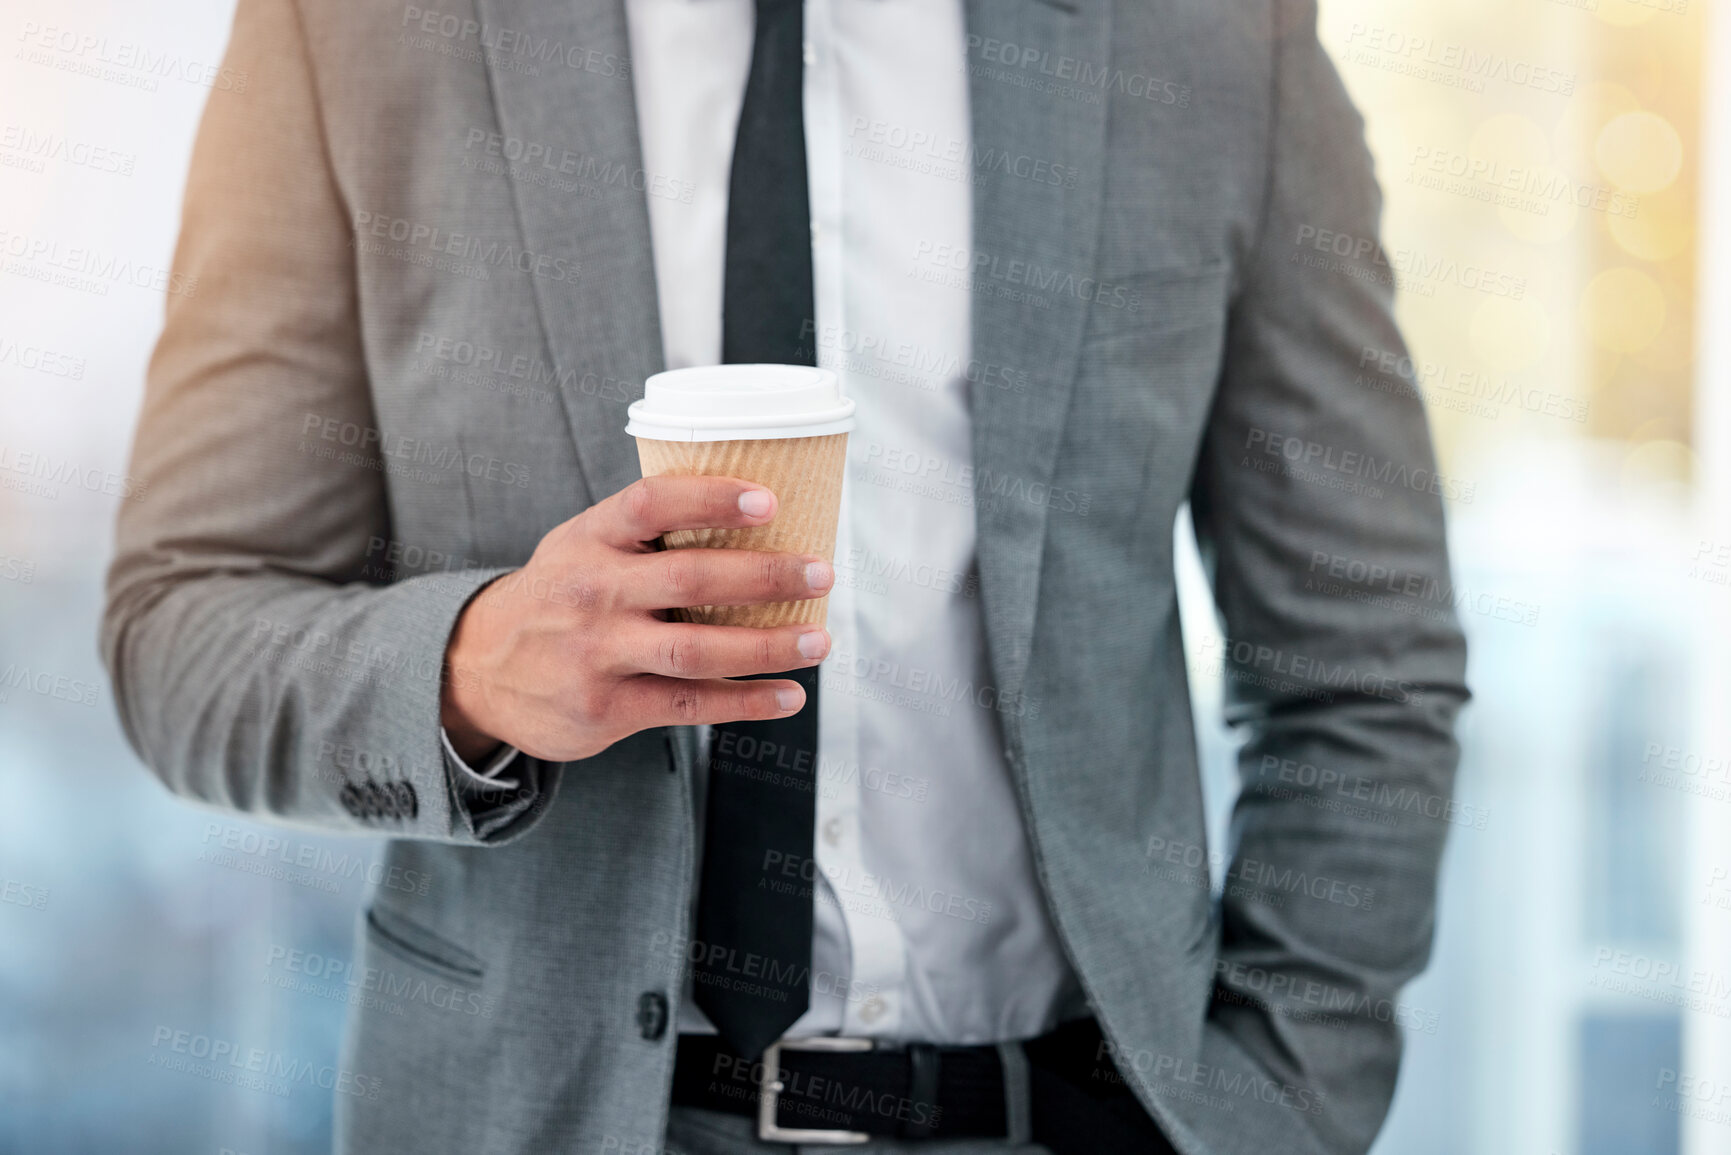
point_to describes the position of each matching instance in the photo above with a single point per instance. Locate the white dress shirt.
(929, 923)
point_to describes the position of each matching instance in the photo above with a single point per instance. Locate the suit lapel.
(602, 326)
(1034, 248)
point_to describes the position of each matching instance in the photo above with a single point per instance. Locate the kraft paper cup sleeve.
(804, 473)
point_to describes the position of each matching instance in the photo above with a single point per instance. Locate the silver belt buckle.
(769, 1091)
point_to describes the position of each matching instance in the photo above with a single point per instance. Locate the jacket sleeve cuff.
(486, 778)
(493, 809)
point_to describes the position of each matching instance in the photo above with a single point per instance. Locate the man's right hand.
(575, 651)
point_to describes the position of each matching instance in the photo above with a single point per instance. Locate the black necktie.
(754, 911)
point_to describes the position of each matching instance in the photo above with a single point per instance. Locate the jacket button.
(652, 1014)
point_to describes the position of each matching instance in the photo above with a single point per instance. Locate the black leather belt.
(838, 1090)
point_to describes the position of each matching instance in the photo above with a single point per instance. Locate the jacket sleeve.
(262, 658)
(1319, 510)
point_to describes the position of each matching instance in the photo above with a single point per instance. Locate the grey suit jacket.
(407, 359)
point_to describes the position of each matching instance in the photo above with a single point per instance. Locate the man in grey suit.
(395, 570)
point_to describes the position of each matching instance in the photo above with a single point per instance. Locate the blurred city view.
(1545, 166)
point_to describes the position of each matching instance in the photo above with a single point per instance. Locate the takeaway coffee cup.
(784, 427)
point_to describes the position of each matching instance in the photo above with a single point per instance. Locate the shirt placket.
(877, 964)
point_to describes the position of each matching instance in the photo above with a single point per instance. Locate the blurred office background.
(1558, 180)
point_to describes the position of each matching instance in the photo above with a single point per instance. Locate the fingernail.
(787, 700)
(814, 644)
(755, 502)
(819, 575)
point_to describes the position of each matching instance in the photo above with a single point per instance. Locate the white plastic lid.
(740, 403)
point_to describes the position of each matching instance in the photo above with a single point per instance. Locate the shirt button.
(816, 233)
(873, 1009)
(832, 832)
(652, 1015)
(809, 53)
